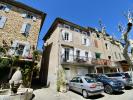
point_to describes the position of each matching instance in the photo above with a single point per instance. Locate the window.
(98, 55)
(66, 36)
(85, 33)
(109, 57)
(67, 26)
(5, 8)
(77, 30)
(67, 53)
(2, 7)
(86, 55)
(106, 45)
(25, 28)
(85, 41)
(20, 49)
(2, 21)
(98, 36)
(77, 53)
(29, 16)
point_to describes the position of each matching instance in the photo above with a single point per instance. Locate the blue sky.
(83, 12)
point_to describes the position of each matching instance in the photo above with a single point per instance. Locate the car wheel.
(85, 94)
(108, 89)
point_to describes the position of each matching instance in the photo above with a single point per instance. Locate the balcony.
(71, 59)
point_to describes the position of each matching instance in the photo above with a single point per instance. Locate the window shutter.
(26, 51)
(24, 15)
(28, 26)
(7, 9)
(62, 53)
(2, 21)
(34, 18)
(82, 54)
(75, 49)
(13, 47)
(88, 42)
(82, 39)
(70, 55)
(89, 54)
(70, 37)
(63, 35)
(23, 29)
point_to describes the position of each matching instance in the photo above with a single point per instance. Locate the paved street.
(47, 94)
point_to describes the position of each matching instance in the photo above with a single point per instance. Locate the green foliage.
(60, 79)
(2, 50)
(4, 62)
(36, 54)
(26, 72)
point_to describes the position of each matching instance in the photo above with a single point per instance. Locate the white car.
(86, 86)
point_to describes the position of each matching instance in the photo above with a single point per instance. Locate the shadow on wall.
(44, 65)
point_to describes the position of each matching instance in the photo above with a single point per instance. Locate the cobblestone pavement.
(47, 94)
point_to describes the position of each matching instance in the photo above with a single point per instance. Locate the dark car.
(110, 85)
(123, 77)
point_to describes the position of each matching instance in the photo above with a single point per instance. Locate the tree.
(125, 33)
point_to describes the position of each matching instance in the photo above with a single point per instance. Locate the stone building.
(78, 50)
(20, 26)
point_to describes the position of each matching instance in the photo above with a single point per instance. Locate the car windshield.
(126, 75)
(103, 76)
(89, 80)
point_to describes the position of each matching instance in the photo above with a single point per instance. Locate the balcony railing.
(72, 59)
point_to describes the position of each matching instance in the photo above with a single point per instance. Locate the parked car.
(123, 77)
(86, 86)
(110, 85)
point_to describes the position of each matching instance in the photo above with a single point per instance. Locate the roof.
(60, 20)
(26, 7)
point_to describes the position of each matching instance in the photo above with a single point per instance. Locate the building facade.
(78, 51)
(19, 27)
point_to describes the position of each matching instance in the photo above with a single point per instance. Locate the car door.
(73, 83)
(79, 85)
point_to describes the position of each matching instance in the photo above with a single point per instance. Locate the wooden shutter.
(7, 9)
(2, 21)
(70, 37)
(23, 28)
(34, 18)
(24, 15)
(88, 42)
(63, 34)
(82, 40)
(13, 47)
(26, 51)
(70, 55)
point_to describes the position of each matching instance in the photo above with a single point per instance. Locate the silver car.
(86, 86)
(123, 77)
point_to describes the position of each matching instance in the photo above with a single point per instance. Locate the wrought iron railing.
(87, 60)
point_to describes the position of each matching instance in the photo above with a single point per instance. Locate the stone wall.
(13, 25)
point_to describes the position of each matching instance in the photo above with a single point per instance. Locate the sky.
(86, 13)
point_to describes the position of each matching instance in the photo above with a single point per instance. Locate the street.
(47, 94)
